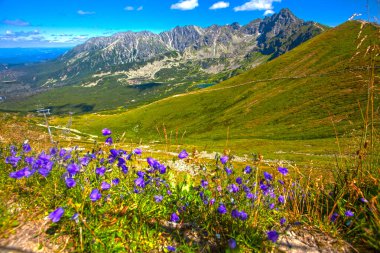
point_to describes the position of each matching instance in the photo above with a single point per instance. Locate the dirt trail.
(30, 237)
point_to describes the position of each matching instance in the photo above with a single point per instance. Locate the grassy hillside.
(296, 96)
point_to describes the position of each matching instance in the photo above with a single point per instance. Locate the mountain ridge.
(181, 55)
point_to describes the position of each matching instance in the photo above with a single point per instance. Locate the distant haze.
(29, 55)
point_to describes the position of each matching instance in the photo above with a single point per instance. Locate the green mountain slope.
(296, 96)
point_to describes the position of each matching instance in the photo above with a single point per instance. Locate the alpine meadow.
(190, 126)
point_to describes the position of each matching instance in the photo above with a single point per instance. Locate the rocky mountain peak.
(286, 14)
(235, 26)
(284, 31)
(210, 50)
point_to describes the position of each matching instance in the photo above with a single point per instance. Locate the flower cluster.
(231, 197)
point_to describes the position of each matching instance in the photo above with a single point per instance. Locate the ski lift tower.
(44, 112)
(66, 131)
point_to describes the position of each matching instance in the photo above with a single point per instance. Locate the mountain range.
(317, 90)
(182, 56)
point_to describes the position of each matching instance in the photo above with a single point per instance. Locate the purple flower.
(168, 192)
(150, 161)
(228, 171)
(281, 182)
(121, 161)
(44, 157)
(222, 209)
(44, 172)
(233, 188)
(140, 182)
(114, 153)
(105, 186)
(73, 168)
(53, 151)
(109, 141)
(334, 216)
(282, 221)
(100, 171)
(84, 160)
(20, 173)
(239, 180)
(249, 195)
(204, 183)
(224, 159)
(67, 157)
(115, 181)
(363, 200)
(212, 201)
(29, 160)
(171, 248)
(232, 243)
(27, 172)
(174, 217)
(283, 171)
(247, 170)
(95, 195)
(26, 147)
(219, 188)
(137, 151)
(281, 199)
(349, 213)
(268, 176)
(13, 150)
(158, 198)
(235, 214)
(106, 132)
(62, 152)
(183, 154)
(70, 182)
(13, 160)
(124, 169)
(56, 215)
(75, 217)
(272, 235)
(243, 215)
(162, 169)
(271, 206)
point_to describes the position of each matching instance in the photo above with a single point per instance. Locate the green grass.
(105, 96)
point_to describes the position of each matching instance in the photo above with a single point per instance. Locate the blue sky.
(43, 23)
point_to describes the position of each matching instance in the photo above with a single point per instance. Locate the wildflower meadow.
(108, 199)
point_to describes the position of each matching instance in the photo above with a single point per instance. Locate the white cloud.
(8, 32)
(354, 16)
(17, 22)
(131, 8)
(260, 5)
(185, 5)
(268, 12)
(219, 5)
(80, 12)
